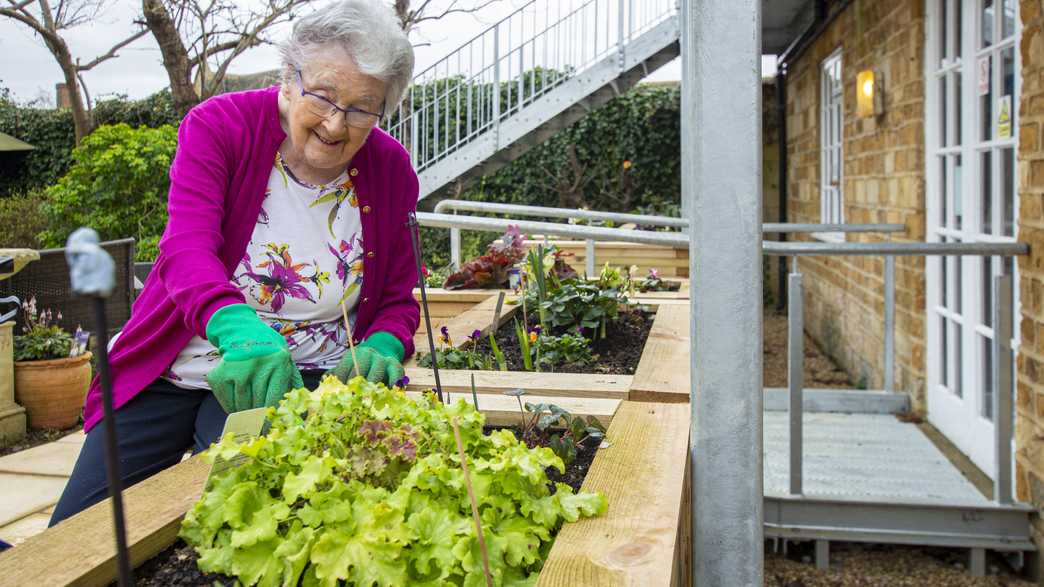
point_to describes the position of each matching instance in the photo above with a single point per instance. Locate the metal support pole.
(721, 183)
(589, 258)
(796, 376)
(889, 325)
(1002, 388)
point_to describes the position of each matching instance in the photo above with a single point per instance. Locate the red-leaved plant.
(489, 271)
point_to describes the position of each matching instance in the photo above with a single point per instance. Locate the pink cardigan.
(226, 147)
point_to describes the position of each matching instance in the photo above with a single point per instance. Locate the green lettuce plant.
(358, 484)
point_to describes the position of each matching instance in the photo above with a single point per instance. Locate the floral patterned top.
(304, 259)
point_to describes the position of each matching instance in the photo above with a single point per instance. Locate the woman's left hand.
(379, 360)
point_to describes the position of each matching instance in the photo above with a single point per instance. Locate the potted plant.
(52, 369)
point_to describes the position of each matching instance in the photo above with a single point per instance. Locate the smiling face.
(317, 147)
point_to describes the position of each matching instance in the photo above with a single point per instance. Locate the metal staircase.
(526, 77)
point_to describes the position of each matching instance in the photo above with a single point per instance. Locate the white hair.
(369, 32)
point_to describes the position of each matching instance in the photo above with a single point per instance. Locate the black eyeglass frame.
(345, 111)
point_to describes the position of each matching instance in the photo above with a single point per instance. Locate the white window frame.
(831, 145)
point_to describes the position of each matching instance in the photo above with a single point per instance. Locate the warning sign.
(1004, 117)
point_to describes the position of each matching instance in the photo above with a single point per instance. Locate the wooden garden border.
(643, 539)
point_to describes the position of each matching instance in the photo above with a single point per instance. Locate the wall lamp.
(869, 97)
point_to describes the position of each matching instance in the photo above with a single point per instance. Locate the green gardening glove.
(256, 369)
(380, 360)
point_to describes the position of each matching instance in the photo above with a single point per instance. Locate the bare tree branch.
(112, 52)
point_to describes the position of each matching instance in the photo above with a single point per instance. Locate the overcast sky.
(30, 72)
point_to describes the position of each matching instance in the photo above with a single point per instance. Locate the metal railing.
(510, 65)
(1002, 352)
(624, 218)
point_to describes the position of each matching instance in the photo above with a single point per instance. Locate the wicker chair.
(48, 280)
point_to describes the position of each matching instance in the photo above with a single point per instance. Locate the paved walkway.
(31, 482)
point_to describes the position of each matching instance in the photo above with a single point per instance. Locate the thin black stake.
(112, 461)
(92, 274)
(415, 238)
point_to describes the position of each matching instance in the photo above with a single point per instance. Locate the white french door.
(971, 86)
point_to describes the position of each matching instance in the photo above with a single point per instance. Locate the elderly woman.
(286, 206)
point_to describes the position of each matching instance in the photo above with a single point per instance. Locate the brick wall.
(883, 182)
(1029, 422)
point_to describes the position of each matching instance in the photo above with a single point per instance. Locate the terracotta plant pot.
(52, 392)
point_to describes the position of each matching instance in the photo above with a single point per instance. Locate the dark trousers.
(153, 430)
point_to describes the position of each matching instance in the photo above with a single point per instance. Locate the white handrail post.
(889, 325)
(795, 375)
(1002, 388)
(589, 258)
(721, 181)
(455, 246)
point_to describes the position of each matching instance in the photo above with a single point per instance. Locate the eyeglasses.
(322, 107)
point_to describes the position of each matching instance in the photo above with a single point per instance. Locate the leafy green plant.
(43, 339)
(525, 340)
(567, 349)
(362, 485)
(579, 304)
(467, 357)
(567, 432)
(117, 185)
(554, 426)
(612, 278)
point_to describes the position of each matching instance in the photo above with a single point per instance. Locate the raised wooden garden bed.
(669, 261)
(643, 539)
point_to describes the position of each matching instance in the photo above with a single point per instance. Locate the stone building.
(953, 148)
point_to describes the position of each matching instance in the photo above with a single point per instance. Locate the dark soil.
(618, 353)
(877, 565)
(36, 438)
(176, 565)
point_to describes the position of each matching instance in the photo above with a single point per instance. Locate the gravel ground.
(820, 371)
(870, 565)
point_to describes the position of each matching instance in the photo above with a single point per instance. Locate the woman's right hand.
(256, 369)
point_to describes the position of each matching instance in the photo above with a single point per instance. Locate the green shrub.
(117, 185)
(21, 221)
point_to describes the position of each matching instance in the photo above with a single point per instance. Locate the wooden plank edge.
(538, 384)
(82, 550)
(648, 384)
(502, 410)
(639, 540)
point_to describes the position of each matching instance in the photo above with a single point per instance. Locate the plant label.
(244, 425)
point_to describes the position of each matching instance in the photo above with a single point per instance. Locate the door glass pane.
(986, 102)
(1007, 180)
(1008, 19)
(987, 378)
(944, 196)
(958, 46)
(986, 23)
(957, 289)
(945, 300)
(944, 342)
(957, 138)
(957, 359)
(958, 208)
(1008, 87)
(943, 117)
(986, 189)
(987, 292)
(943, 29)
